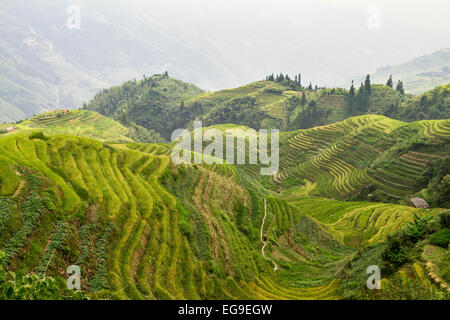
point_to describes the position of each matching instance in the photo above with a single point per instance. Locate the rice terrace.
(286, 190)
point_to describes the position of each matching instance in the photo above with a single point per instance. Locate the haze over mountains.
(45, 66)
(421, 74)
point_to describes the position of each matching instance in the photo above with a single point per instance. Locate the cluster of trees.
(399, 88)
(401, 246)
(358, 101)
(434, 104)
(243, 110)
(309, 114)
(437, 180)
(295, 84)
(143, 105)
(281, 78)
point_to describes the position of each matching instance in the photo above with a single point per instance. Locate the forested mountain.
(156, 103)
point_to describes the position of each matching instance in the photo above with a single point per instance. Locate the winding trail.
(275, 266)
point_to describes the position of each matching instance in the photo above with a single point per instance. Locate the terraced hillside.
(75, 200)
(382, 157)
(142, 228)
(268, 96)
(82, 123)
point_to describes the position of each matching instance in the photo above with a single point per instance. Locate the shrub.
(445, 219)
(441, 238)
(32, 287)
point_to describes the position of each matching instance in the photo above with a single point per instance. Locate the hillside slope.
(104, 209)
(142, 228)
(84, 123)
(153, 102)
(366, 157)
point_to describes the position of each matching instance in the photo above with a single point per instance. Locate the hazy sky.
(225, 43)
(432, 14)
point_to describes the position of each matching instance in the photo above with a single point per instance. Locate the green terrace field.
(83, 123)
(268, 96)
(75, 200)
(141, 227)
(384, 156)
(271, 98)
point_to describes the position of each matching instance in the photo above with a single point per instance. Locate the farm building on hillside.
(419, 203)
(11, 129)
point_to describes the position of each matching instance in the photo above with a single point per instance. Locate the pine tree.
(303, 102)
(400, 87)
(352, 89)
(310, 88)
(390, 83)
(367, 85)
(300, 79)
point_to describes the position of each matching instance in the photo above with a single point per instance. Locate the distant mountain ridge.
(45, 66)
(421, 74)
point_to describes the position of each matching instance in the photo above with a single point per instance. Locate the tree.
(303, 102)
(310, 88)
(367, 85)
(390, 83)
(300, 79)
(352, 89)
(442, 194)
(182, 107)
(400, 87)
